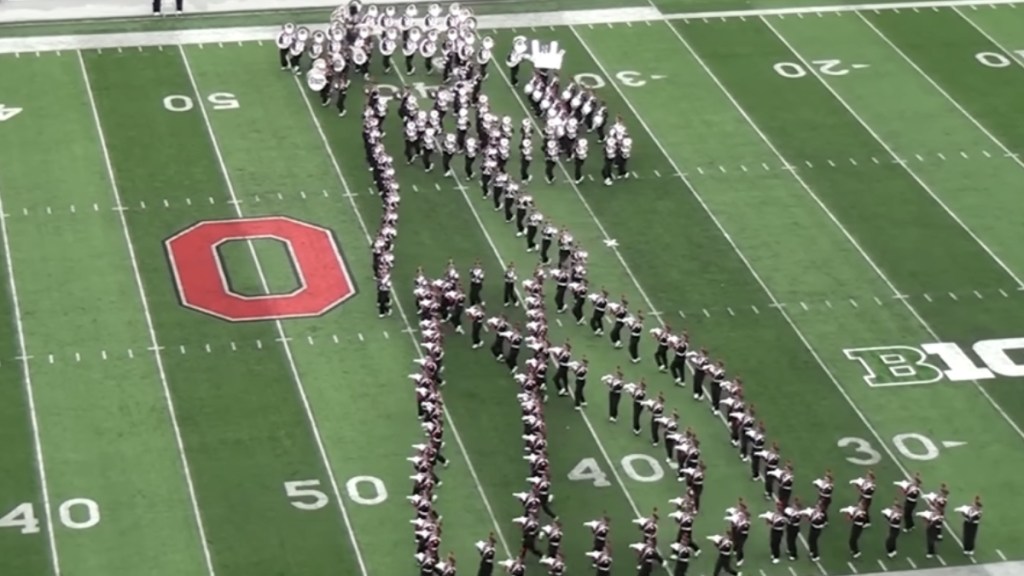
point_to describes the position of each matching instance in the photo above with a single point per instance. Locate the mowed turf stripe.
(784, 232)
(75, 282)
(938, 140)
(437, 226)
(19, 481)
(244, 433)
(892, 215)
(360, 391)
(731, 479)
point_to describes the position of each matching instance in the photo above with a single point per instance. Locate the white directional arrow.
(952, 443)
(6, 113)
(611, 242)
(658, 77)
(858, 66)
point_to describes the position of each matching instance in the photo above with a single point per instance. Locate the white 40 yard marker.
(76, 514)
(932, 362)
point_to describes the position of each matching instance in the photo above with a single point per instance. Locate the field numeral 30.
(363, 490)
(76, 513)
(911, 445)
(217, 100)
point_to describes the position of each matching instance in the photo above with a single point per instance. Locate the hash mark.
(131, 354)
(681, 315)
(941, 156)
(875, 160)
(831, 163)
(852, 161)
(283, 340)
(804, 306)
(808, 162)
(765, 166)
(953, 296)
(880, 563)
(559, 321)
(48, 211)
(303, 194)
(985, 152)
(700, 170)
(234, 348)
(919, 157)
(706, 314)
(259, 344)
(78, 357)
(743, 168)
(72, 208)
(386, 337)
(438, 186)
(182, 348)
(731, 313)
(1000, 554)
(360, 337)
(166, 203)
(208, 349)
(927, 297)
(142, 204)
(853, 302)
(912, 565)
(310, 340)
(50, 358)
(103, 354)
(978, 294)
(657, 174)
(877, 301)
(964, 154)
(24, 211)
(188, 201)
(1003, 292)
(212, 201)
(326, 195)
(335, 338)
(756, 311)
(722, 168)
(939, 558)
(828, 304)
(852, 567)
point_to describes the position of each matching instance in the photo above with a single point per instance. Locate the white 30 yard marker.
(401, 312)
(29, 393)
(155, 346)
(314, 428)
(926, 188)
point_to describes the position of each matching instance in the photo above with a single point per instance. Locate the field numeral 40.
(217, 100)
(76, 513)
(363, 490)
(588, 470)
(997, 59)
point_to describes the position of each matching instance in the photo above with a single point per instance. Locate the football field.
(829, 199)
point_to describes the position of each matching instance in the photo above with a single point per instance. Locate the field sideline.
(836, 208)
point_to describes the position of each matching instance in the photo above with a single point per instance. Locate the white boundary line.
(300, 388)
(29, 394)
(529, 21)
(934, 197)
(401, 312)
(156, 348)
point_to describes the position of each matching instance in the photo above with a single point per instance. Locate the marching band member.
(602, 561)
(599, 529)
(700, 362)
(635, 324)
(487, 552)
(615, 385)
(894, 518)
(866, 491)
(515, 566)
(530, 530)
(656, 406)
(555, 564)
(622, 154)
(510, 297)
(793, 516)
(525, 157)
(639, 393)
(739, 528)
(725, 547)
(551, 152)
(610, 154)
(933, 529)
(384, 297)
(777, 524)
(937, 502)
(297, 49)
(681, 554)
(515, 58)
(285, 40)
(647, 556)
(972, 518)
(818, 521)
(911, 490)
(470, 152)
(449, 148)
(340, 85)
(825, 486)
(661, 336)
(600, 301)
(580, 374)
(579, 156)
(858, 516)
(680, 352)
(717, 374)
(684, 518)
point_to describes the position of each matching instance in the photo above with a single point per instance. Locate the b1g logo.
(932, 362)
(202, 282)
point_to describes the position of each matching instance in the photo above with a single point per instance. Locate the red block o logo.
(202, 282)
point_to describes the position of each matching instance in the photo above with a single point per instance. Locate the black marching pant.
(724, 562)
(890, 540)
(638, 409)
(580, 399)
(775, 543)
(970, 535)
(613, 404)
(812, 541)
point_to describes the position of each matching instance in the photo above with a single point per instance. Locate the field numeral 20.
(588, 470)
(911, 445)
(997, 59)
(826, 67)
(217, 100)
(76, 513)
(364, 490)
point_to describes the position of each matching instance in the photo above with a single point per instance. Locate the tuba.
(467, 20)
(316, 79)
(338, 63)
(428, 48)
(392, 33)
(284, 39)
(303, 34)
(465, 52)
(518, 53)
(412, 42)
(359, 56)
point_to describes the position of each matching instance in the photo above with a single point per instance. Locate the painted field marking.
(144, 300)
(26, 375)
(293, 367)
(927, 189)
(942, 91)
(401, 312)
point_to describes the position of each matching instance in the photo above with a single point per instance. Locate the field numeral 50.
(363, 490)
(217, 100)
(76, 513)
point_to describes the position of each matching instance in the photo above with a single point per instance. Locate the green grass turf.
(241, 393)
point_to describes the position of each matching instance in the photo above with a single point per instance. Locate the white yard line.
(992, 137)
(926, 188)
(807, 188)
(300, 387)
(1013, 56)
(486, 22)
(405, 319)
(30, 396)
(154, 343)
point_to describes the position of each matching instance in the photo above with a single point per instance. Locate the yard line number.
(911, 445)
(76, 514)
(637, 467)
(997, 59)
(363, 490)
(630, 78)
(217, 100)
(827, 67)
